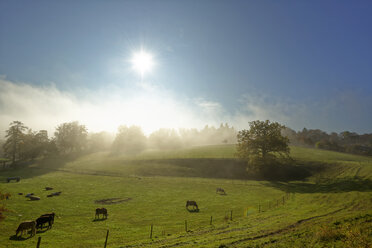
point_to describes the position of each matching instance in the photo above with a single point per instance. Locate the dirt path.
(287, 228)
(222, 230)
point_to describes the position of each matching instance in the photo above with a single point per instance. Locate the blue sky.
(302, 63)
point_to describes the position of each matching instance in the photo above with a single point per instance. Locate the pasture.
(152, 189)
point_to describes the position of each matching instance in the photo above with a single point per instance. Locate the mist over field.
(151, 108)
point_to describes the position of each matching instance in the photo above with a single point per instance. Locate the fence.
(262, 207)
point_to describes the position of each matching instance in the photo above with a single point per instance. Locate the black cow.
(13, 178)
(220, 191)
(49, 214)
(193, 204)
(102, 211)
(42, 220)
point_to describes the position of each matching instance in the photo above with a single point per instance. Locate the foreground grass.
(341, 195)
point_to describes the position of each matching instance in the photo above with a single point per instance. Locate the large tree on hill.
(14, 140)
(262, 142)
(71, 137)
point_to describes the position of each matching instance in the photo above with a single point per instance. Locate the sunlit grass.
(159, 199)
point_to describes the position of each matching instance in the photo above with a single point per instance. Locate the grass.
(159, 183)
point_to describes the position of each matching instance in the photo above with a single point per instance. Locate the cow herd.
(194, 206)
(48, 219)
(36, 224)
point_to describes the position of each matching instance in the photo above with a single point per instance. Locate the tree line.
(349, 142)
(71, 138)
(22, 143)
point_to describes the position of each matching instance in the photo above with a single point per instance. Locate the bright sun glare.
(142, 62)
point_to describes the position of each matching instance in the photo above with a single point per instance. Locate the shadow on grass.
(338, 185)
(226, 168)
(30, 169)
(102, 219)
(193, 210)
(19, 238)
(42, 231)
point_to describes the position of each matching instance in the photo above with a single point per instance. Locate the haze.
(203, 63)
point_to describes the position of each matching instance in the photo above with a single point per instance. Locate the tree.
(70, 137)
(165, 138)
(34, 145)
(129, 140)
(99, 141)
(261, 143)
(14, 139)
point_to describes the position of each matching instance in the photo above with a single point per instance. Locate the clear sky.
(302, 63)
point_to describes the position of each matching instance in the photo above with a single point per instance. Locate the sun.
(142, 62)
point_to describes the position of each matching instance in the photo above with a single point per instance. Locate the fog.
(104, 109)
(152, 108)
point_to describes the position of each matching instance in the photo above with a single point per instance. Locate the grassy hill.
(330, 208)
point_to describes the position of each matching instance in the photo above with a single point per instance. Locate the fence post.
(283, 200)
(185, 225)
(231, 215)
(38, 242)
(277, 203)
(151, 232)
(259, 208)
(211, 220)
(106, 237)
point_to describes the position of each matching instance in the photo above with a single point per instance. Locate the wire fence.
(189, 226)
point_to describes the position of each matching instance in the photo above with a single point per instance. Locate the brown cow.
(24, 226)
(102, 211)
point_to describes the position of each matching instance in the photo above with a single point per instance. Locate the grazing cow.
(220, 191)
(102, 211)
(48, 188)
(24, 226)
(49, 214)
(13, 178)
(42, 220)
(193, 204)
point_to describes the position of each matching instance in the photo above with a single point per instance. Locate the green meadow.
(332, 207)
